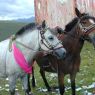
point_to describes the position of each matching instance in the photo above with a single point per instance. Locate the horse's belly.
(3, 49)
(2, 63)
(2, 70)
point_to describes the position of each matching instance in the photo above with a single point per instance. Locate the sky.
(14, 9)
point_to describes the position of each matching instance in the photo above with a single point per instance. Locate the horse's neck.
(73, 42)
(31, 40)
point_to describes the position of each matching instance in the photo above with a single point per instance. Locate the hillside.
(9, 27)
(27, 20)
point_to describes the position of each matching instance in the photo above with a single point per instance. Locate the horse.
(18, 51)
(81, 28)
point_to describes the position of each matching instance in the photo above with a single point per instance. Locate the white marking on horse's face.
(91, 21)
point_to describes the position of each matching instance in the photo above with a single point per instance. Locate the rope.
(12, 38)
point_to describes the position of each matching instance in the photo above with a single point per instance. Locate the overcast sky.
(13, 9)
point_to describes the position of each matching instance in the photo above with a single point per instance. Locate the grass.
(8, 28)
(85, 77)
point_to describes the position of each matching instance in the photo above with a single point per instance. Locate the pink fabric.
(21, 61)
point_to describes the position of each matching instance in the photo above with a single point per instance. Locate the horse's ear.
(59, 30)
(78, 13)
(44, 24)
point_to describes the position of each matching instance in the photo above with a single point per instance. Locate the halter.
(48, 45)
(88, 29)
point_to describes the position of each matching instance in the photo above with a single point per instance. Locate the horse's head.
(86, 25)
(50, 42)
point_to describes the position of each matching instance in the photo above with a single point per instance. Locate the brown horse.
(76, 32)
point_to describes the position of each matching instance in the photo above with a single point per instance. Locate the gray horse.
(30, 40)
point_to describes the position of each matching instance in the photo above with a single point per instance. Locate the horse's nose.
(60, 53)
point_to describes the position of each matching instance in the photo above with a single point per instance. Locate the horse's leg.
(25, 84)
(29, 87)
(12, 83)
(72, 77)
(44, 79)
(33, 78)
(61, 83)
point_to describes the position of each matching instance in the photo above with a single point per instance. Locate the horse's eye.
(84, 22)
(50, 38)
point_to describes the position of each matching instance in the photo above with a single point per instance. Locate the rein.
(50, 47)
(11, 41)
(40, 51)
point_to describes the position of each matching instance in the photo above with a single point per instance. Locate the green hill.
(8, 28)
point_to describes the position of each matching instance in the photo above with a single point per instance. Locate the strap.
(12, 38)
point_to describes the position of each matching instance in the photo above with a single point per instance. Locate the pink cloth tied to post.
(21, 61)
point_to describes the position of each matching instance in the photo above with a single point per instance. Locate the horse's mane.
(71, 24)
(87, 16)
(25, 28)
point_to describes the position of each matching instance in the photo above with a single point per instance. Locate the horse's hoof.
(16, 93)
(49, 89)
(30, 93)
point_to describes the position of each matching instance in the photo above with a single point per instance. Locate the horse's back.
(3, 51)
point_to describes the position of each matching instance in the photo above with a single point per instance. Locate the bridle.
(48, 45)
(88, 29)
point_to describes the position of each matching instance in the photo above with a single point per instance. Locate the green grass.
(8, 28)
(85, 77)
